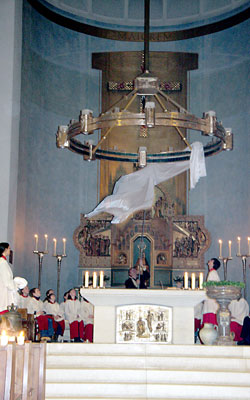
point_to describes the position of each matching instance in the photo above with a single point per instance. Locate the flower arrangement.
(224, 283)
(178, 278)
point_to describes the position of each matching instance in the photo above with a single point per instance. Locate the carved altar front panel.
(143, 323)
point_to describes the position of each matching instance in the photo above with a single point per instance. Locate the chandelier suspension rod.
(182, 109)
(183, 137)
(146, 35)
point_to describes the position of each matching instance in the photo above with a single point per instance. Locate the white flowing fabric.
(135, 191)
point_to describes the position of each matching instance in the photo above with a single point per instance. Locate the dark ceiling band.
(139, 36)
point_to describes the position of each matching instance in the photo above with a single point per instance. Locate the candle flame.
(46, 236)
(64, 240)
(36, 236)
(54, 239)
(238, 238)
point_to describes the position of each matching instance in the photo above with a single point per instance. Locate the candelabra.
(40, 255)
(225, 261)
(59, 258)
(244, 265)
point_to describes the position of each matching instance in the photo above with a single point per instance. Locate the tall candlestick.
(94, 279)
(193, 280)
(201, 280)
(220, 244)
(101, 279)
(86, 279)
(248, 241)
(54, 240)
(229, 248)
(238, 238)
(46, 243)
(64, 246)
(36, 242)
(185, 280)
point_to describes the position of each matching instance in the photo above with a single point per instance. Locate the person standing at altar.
(8, 289)
(72, 309)
(239, 310)
(132, 282)
(210, 306)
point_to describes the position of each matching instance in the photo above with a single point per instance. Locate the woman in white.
(8, 289)
(210, 306)
(72, 309)
(51, 307)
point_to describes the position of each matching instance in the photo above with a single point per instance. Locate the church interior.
(93, 93)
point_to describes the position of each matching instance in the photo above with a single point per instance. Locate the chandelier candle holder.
(40, 255)
(59, 258)
(244, 262)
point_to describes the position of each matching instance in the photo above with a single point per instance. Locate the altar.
(107, 301)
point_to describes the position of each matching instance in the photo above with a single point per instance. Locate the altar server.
(87, 313)
(8, 289)
(36, 307)
(23, 297)
(210, 306)
(51, 307)
(72, 309)
(239, 310)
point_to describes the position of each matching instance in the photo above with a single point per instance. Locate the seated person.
(245, 332)
(23, 298)
(87, 313)
(49, 291)
(51, 307)
(239, 310)
(35, 306)
(72, 309)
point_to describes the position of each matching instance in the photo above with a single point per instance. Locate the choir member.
(51, 307)
(73, 315)
(239, 310)
(210, 306)
(36, 307)
(87, 313)
(23, 297)
(8, 287)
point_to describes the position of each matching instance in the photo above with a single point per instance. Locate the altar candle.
(36, 242)
(229, 248)
(220, 244)
(193, 280)
(201, 280)
(54, 240)
(101, 279)
(20, 338)
(4, 338)
(248, 241)
(46, 243)
(185, 280)
(238, 245)
(86, 279)
(94, 279)
(64, 246)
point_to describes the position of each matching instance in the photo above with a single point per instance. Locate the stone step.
(145, 391)
(147, 376)
(142, 362)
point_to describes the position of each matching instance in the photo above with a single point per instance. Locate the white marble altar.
(106, 301)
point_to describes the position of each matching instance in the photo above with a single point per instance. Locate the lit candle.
(64, 246)
(238, 238)
(4, 338)
(229, 248)
(248, 241)
(220, 244)
(54, 240)
(20, 338)
(36, 242)
(101, 279)
(86, 279)
(94, 279)
(201, 280)
(185, 280)
(46, 243)
(193, 280)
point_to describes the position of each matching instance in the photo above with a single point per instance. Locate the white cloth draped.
(135, 191)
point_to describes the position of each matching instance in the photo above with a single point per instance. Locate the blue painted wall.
(55, 186)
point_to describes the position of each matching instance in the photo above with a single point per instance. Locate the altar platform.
(181, 302)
